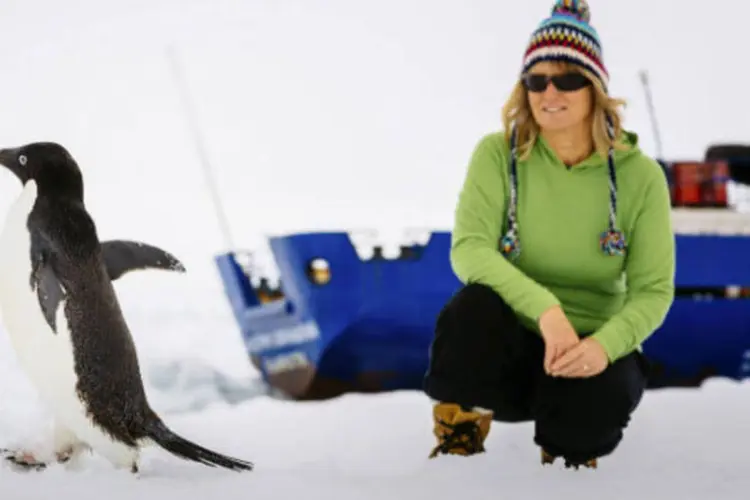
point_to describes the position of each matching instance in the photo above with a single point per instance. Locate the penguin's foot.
(24, 460)
(64, 456)
(66, 443)
(70, 452)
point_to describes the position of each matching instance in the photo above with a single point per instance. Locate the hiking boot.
(459, 431)
(588, 464)
(548, 459)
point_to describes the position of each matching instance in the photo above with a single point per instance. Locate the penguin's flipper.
(122, 256)
(44, 279)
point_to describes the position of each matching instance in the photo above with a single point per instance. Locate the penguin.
(60, 310)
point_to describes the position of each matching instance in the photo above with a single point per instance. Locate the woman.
(563, 238)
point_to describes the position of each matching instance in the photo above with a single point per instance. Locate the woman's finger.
(568, 360)
(581, 367)
(584, 367)
(549, 356)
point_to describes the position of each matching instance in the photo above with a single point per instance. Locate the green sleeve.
(649, 271)
(479, 220)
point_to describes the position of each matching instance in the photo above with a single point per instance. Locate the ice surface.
(681, 445)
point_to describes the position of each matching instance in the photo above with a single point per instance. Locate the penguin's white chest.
(47, 357)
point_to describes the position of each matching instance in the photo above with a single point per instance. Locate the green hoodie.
(561, 213)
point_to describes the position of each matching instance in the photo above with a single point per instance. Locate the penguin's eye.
(22, 160)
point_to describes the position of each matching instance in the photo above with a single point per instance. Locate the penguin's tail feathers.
(181, 447)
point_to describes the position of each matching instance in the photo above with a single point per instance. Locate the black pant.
(481, 356)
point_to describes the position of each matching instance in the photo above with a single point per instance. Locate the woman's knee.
(470, 321)
(476, 309)
(609, 397)
(620, 387)
(479, 357)
(585, 418)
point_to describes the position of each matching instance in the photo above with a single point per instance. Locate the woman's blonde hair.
(517, 111)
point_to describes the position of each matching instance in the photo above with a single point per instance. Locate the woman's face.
(556, 109)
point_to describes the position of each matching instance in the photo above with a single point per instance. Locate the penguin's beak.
(9, 159)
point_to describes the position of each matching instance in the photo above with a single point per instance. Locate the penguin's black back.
(109, 377)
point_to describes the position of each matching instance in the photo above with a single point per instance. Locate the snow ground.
(289, 94)
(682, 445)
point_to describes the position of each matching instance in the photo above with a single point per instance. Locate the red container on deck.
(687, 178)
(700, 184)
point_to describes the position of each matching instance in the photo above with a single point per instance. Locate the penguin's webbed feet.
(64, 456)
(23, 460)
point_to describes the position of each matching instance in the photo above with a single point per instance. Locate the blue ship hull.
(369, 326)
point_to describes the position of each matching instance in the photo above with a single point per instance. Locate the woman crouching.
(563, 240)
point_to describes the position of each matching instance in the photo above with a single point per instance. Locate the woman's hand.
(558, 334)
(586, 359)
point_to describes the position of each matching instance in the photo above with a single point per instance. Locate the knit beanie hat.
(566, 36)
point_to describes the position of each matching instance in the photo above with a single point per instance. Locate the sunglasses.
(567, 82)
